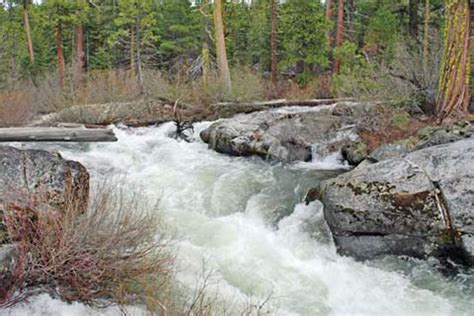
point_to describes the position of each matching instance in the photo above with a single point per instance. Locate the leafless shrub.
(93, 257)
(408, 78)
(15, 108)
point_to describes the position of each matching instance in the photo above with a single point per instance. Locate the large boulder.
(418, 205)
(43, 177)
(283, 135)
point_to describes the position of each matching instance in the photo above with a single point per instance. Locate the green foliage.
(169, 35)
(304, 34)
(381, 33)
(401, 119)
(179, 30)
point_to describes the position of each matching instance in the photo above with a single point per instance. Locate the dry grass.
(318, 88)
(91, 257)
(384, 124)
(15, 108)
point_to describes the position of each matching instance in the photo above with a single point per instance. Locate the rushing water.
(243, 219)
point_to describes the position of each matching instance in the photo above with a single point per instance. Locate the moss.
(380, 188)
(401, 120)
(409, 143)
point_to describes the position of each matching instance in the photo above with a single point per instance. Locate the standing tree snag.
(453, 89)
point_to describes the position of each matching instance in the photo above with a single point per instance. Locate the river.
(243, 219)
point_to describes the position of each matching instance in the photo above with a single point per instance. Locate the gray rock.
(387, 151)
(438, 135)
(276, 135)
(7, 257)
(355, 152)
(39, 176)
(396, 206)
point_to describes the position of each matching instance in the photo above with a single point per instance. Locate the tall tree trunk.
(132, 51)
(29, 40)
(222, 63)
(139, 55)
(339, 34)
(426, 35)
(206, 66)
(274, 42)
(413, 17)
(329, 14)
(60, 55)
(453, 90)
(79, 30)
(206, 62)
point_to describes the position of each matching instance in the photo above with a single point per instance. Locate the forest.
(251, 50)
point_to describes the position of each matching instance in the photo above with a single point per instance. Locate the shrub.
(405, 80)
(15, 108)
(91, 257)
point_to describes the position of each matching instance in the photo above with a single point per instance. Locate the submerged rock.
(355, 152)
(279, 135)
(418, 205)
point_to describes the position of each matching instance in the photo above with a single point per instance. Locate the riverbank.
(242, 218)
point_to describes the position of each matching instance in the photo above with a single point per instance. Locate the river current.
(244, 220)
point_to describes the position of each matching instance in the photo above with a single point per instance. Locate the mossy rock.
(355, 152)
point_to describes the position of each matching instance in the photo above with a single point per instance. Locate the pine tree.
(222, 63)
(274, 42)
(303, 37)
(453, 90)
(339, 34)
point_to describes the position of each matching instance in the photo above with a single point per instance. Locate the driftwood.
(53, 134)
(184, 129)
(227, 109)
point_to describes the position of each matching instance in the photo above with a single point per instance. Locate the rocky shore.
(39, 181)
(414, 196)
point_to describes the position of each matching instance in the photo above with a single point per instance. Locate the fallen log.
(53, 134)
(227, 109)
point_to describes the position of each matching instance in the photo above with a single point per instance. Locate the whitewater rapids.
(243, 219)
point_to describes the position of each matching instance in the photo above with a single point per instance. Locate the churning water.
(243, 219)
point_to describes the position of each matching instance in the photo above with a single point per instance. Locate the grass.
(131, 102)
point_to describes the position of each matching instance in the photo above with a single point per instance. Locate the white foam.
(226, 212)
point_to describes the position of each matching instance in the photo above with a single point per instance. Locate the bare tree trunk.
(79, 30)
(426, 35)
(60, 55)
(132, 51)
(339, 34)
(206, 62)
(206, 66)
(139, 56)
(453, 90)
(329, 14)
(222, 63)
(26, 21)
(413, 17)
(274, 42)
